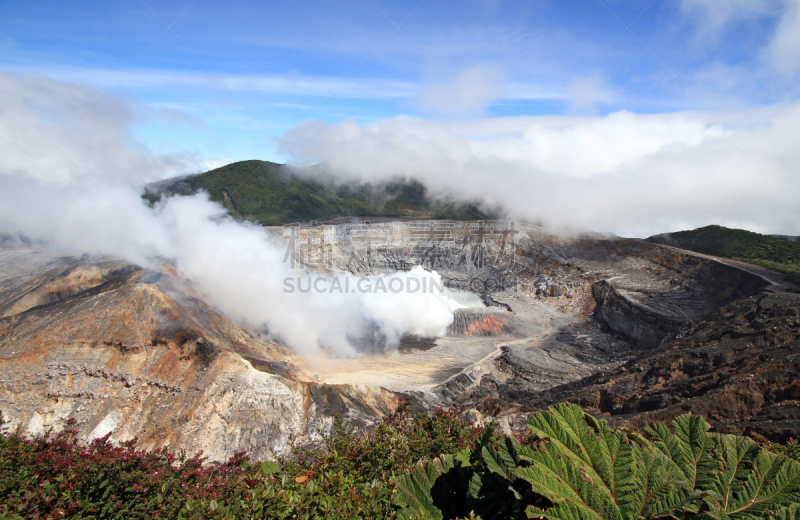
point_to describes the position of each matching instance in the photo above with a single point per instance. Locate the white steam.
(245, 275)
(71, 175)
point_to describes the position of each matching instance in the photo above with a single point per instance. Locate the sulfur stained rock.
(135, 352)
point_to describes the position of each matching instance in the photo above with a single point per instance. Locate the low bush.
(426, 466)
(54, 476)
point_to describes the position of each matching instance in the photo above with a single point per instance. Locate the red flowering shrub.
(54, 476)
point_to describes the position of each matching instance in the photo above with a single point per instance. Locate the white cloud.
(586, 92)
(36, 111)
(594, 146)
(715, 14)
(179, 117)
(291, 84)
(631, 174)
(468, 93)
(488, 85)
(783, 53)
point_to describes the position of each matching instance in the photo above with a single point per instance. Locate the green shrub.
(53, 476)
(423, 466)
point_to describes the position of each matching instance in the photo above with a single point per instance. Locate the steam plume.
(72, 176)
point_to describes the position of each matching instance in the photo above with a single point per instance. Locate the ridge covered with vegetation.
(273, 194)
(777, 254)
(569, 465)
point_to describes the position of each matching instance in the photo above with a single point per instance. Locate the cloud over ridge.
(627, 173)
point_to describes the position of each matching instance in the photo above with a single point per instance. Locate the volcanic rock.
(139, 353)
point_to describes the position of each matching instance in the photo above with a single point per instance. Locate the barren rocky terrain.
(630, 330)
(137, 352)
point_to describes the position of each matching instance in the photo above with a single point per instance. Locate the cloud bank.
(71, 175)
(631, 174)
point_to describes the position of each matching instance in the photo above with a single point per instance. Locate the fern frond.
(501, 461)
(772, 481)
(602, 453)
(563, 512)
(787, 513)
(587, 467)
(584, 470)
(414, 491)
(689, 448)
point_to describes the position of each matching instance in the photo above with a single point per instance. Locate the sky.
(632, 116)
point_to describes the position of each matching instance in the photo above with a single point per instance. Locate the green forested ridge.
(271, 194)
(766, 251)
(569, 465)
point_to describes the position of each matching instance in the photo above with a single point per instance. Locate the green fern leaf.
(502, 461)
(689, 448)
(414, 490)
(565, 511)
(745, 480)
(587, 469)
(770, 482)
(583, 470)
(788, 513)
(492, 493)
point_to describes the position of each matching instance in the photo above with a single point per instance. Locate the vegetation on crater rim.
(770, 252)
(272, 194)
(568, 465)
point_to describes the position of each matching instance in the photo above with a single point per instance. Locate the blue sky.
(227, 79)
(633, 117)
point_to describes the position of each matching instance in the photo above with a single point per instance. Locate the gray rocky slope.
(137, 352)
